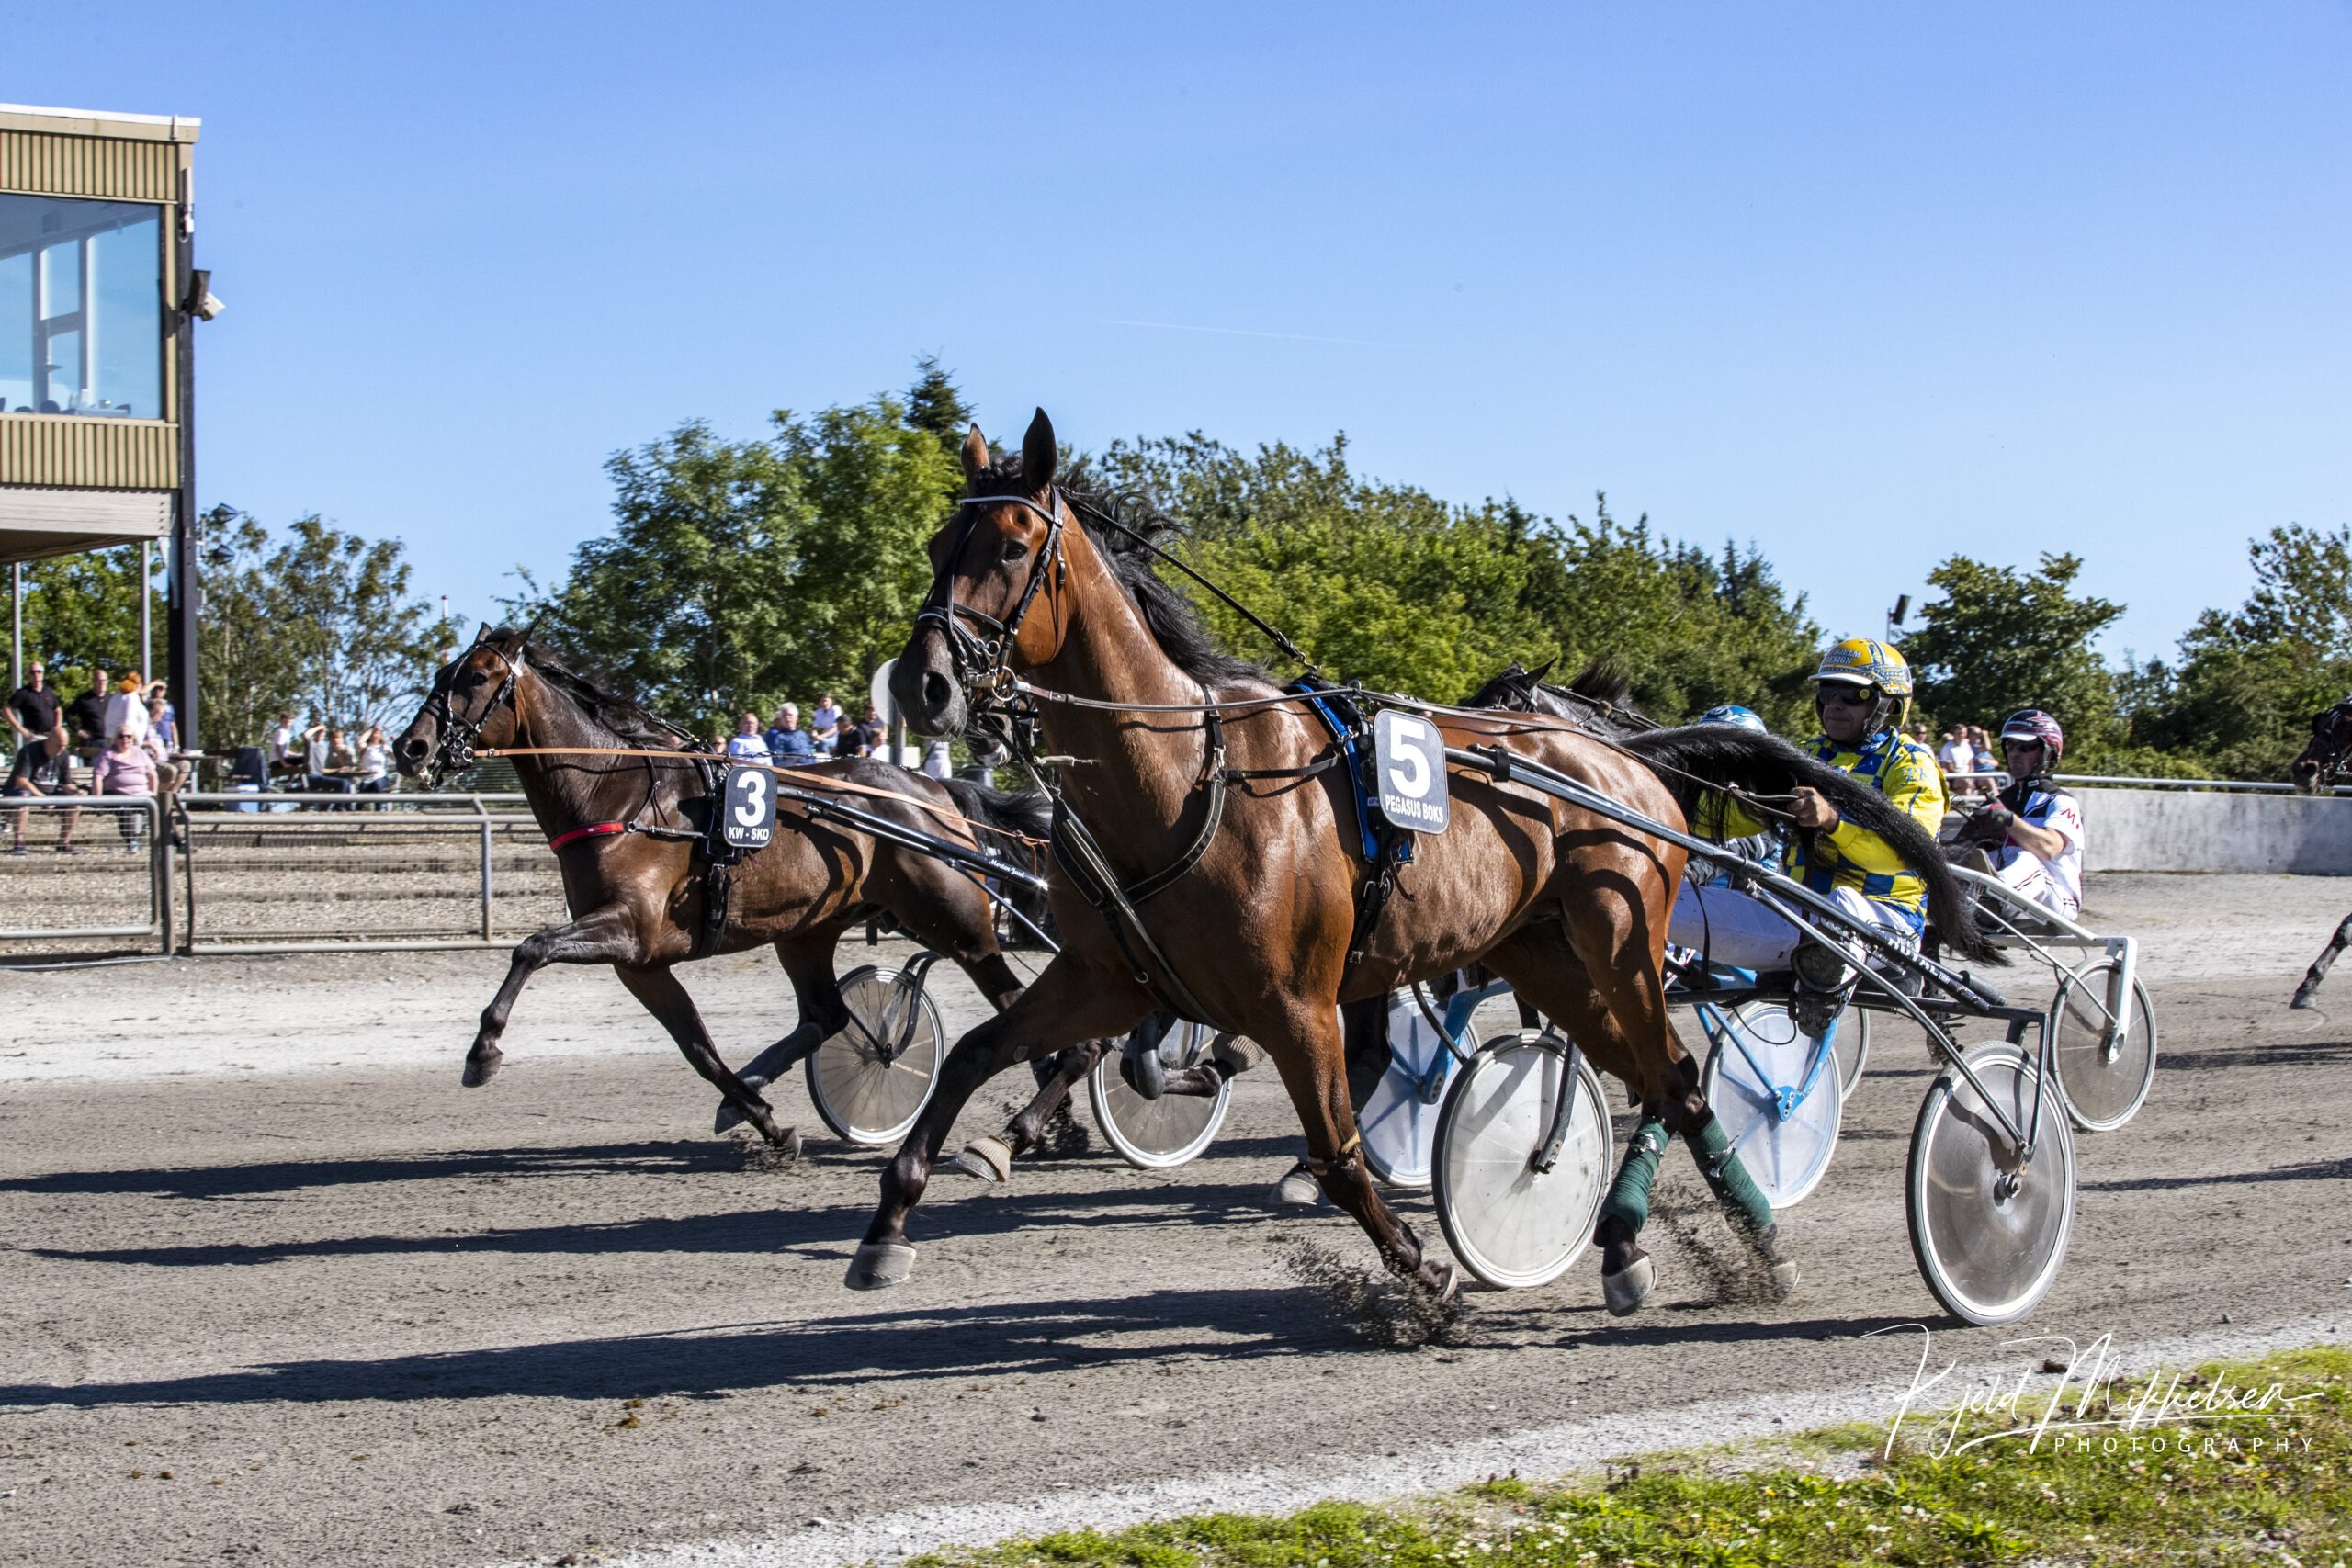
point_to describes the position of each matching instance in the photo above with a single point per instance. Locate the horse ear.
(482, 636)
(1039, 454)
(975, 457)
(1546, 668)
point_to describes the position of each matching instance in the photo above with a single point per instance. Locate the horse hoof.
(880, 1264)
(480, 1069)
(1623, 1292)
(986, 1159)
(786, 1143)
(728, 1118)
(1780, 1280)
(2302, 1000)
(1296, 1189)
(1448, 1287)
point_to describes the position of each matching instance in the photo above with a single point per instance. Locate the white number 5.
(1410, 769)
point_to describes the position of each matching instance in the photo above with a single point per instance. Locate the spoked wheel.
(1785, 1130)
(871, 1080)
(1511, 1225)
(1152, 1134)
(2104, 1074)
(1852, 1044)
(1989, 1234)
(1398, 1119)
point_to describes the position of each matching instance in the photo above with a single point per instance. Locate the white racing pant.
(2031, 880)
(1730, 927)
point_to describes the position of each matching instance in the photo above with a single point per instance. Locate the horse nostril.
(412, 750)
(938, 690)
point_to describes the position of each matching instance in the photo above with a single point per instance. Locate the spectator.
(826, 723)
(162, 718)
(1988, 758)
(85, 717)
(873, 735)
(788, 743)
(374, 773)
(1956, 757)
(127, 710)
(326, 760)
(32, 707)
(44, 766)
(125, 768)
(747, 744)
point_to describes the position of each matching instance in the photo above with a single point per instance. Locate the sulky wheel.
(1785, 1130)
(2104, 1074)
(1852, 1043)
(871, 1080)
(1152, 1134)
(1989, 1233)
(1399, 1118)
(1510, 1224)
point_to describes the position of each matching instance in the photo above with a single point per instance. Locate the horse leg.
(1067, 1005)
(808, 963)
(1045, 1121)
(667, 1001)
(1315, 1071)
(2322, 964)
(604, 936)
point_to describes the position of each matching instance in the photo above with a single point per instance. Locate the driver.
(2030, 835)
(1861, 695)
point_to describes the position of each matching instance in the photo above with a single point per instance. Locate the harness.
(1384, 848)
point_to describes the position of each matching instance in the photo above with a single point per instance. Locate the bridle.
(983, 662)
(456, 737)
(2329, 746)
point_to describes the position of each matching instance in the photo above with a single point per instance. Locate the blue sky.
(1864, 283)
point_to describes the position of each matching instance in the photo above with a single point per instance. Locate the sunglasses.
(1849, 697)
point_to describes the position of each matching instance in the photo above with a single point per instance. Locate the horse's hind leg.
(2322, 964)
(668, 1002)
(808, 963)
(1315, 1072)
(603, 935)
(1045, 1123)
(1067, 1004)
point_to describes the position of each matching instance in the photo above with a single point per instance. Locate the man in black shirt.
(32, 707)
(85, 717)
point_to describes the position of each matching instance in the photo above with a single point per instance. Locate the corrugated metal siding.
(110, 454)
(88, 165)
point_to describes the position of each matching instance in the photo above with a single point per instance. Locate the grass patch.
(1839, 1496)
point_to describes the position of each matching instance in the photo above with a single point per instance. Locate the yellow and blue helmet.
(1865, 661)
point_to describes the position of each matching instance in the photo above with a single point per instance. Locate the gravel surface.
(279, 1291)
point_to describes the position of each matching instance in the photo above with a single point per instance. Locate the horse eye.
(1014, 549)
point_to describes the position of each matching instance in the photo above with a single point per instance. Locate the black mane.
(626, 717)
(1175, 622)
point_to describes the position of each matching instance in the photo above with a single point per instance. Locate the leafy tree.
(739, 574)
(2239, 700)
(2000, 639)
(83, 610)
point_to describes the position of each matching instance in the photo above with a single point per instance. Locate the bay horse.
(1226, 834)
(2314, 771)
(625, 827)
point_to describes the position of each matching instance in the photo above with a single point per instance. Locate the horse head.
(2327, 753)
(473, 703)
(990, 563)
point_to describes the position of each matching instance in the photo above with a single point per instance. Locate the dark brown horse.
(637, 890)
(2315, 769)
(1241, 834)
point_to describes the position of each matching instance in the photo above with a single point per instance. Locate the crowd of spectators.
(787, 741)
(117, 737)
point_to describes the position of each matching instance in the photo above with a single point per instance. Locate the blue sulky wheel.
(1513, 1222)
(1399, 1118)
(1153, 1134)
(871, 1079)
(1990, 1232)
(1784, 1127)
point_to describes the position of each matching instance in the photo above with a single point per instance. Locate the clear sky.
(1865, 284)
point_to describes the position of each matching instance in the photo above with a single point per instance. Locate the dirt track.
(261, 1241)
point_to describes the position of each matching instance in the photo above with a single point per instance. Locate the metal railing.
(137, 824)
(2118, 781)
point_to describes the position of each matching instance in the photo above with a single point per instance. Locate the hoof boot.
(880, 1264)
(986, 1159)
(1623, 1292)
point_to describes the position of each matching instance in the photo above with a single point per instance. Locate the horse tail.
(1726, 757)
(1028, 814)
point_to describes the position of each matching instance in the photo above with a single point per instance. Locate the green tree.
(2238, 700)
(740, 574)
(83, 610)
(2000, 639)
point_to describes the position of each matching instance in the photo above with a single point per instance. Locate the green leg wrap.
(1734, 1188)
(1629, 1198)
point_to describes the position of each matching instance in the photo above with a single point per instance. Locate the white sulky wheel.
(1853, 1043)
(2103, 1074)
(1398, 1119)
(1153, 1134)
(867, 1086)
(1785, 1157)
(1989, 1238)
(1512, 1226)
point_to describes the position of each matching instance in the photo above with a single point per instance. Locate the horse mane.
(1173, 620)
(626, 717)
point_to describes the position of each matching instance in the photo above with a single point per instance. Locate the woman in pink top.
(126, 768)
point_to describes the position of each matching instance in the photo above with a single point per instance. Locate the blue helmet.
(1734, 715)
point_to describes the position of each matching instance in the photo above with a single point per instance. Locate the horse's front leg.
(668, 1002)
(1067, 1004)
(990, 1159)
(604, 936)
(2322, 964)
